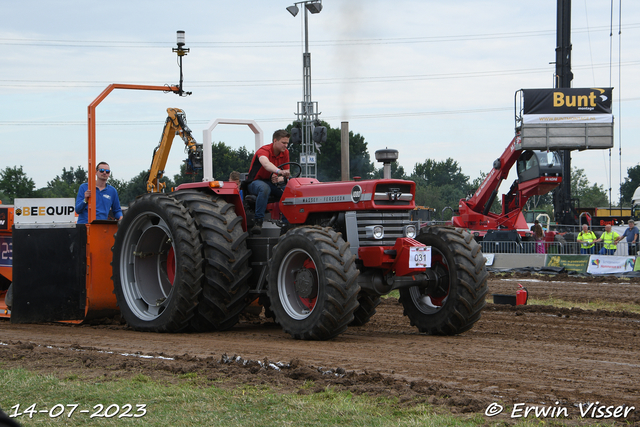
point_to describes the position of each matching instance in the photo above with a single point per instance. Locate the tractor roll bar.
(91, 214)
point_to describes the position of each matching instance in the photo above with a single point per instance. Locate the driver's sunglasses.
(104, 170)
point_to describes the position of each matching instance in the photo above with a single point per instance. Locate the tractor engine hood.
(307, 195)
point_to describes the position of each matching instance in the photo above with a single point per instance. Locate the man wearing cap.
(631, 234)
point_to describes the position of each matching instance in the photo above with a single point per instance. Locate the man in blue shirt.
(107, 197)
(631, 234)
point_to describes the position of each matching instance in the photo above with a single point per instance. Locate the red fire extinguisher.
(522, 295)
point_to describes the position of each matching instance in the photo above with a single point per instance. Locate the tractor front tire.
(455, 306)
(313, 286)
(157, 265)
(226, 260)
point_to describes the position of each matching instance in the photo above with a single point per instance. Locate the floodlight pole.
(307, 112)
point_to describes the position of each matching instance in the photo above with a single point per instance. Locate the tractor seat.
(250, 199)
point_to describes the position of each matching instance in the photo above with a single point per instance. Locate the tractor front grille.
(392, 221)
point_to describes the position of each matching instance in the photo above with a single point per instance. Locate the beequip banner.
(44, 211)
(567, 105)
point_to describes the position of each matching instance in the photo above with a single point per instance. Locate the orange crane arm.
(176, 124)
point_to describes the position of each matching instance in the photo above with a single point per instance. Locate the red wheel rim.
(309, 302)
(171, 265)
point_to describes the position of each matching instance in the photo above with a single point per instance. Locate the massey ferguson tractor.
(184, 260)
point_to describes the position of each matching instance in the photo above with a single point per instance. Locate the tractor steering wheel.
(295, 164)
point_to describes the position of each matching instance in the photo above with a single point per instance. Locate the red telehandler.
(538, 173)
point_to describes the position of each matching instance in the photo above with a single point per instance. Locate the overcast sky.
(432, 79)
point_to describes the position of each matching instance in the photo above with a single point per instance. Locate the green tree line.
(439, 184)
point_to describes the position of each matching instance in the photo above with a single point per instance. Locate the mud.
(535, 355)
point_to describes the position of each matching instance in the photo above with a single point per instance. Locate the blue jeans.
(605, 251)
(586, 251)
(262, 190)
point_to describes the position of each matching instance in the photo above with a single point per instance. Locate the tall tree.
(440, 185)
(591, 196)
(397, 171)
(184, 177)
(15, 183)
(66, 184)
(136, 186)
(329, 158)
(226, 159)
(447, 172)
(631, 182)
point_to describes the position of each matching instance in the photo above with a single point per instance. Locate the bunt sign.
(567, 105)
(564, 119)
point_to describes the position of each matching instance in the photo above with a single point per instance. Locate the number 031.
(420, 257)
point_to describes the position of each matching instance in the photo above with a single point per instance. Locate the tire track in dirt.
(530, 354)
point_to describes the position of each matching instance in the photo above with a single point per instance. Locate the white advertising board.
(29, 213)
(602, 264)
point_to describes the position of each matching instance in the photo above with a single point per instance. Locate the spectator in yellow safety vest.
(587, 239)
(610, 238)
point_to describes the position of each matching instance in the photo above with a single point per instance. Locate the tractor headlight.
(410, 231)
(375, 231)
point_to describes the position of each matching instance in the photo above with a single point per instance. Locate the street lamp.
(307, 110)
(180, 51)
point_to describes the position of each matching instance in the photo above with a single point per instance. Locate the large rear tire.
(455, 306)
(157, 265)
(226, 268)
(313, 285)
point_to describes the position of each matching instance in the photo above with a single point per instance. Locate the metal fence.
(566, 248)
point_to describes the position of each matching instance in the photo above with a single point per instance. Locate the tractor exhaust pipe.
(386, 157)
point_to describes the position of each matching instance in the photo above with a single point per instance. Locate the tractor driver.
(264, 175)
(107, 200)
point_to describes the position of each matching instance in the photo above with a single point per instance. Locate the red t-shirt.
(257, 171)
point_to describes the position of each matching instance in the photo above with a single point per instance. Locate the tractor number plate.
(420, 257)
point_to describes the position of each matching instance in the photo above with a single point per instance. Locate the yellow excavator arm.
(176, 124)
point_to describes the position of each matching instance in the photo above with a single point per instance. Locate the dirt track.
(534, 354)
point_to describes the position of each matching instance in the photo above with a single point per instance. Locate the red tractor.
(184, 260)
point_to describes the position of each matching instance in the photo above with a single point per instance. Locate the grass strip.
(193, 402)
